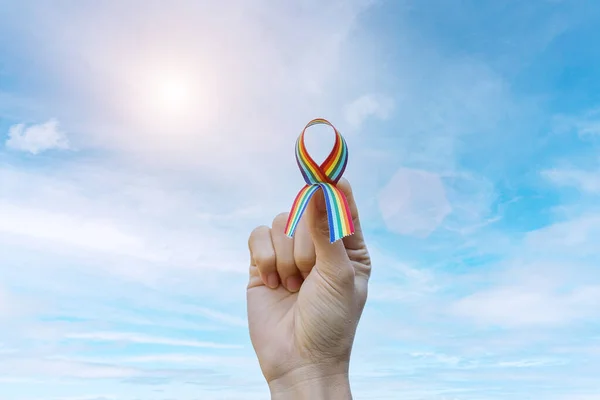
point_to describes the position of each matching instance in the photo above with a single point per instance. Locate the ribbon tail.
(298, 207)
(338, 212)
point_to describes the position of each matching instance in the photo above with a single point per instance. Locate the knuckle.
(265, 261)
(280, 219)
(362, 261)
(261, 249)
(260, 229)
(256, 232)
(305, 261)
(345, 275)
(286, 267)
(364, 269)
(254, 277)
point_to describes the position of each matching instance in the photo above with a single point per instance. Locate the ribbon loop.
(324, 176)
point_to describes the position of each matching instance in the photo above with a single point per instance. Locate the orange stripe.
(348, 220)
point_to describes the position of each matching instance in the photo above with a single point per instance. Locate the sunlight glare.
(173, 94)
(169, 99)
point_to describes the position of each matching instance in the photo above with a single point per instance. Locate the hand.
(305, 298)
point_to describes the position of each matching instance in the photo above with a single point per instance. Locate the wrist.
(312, 383)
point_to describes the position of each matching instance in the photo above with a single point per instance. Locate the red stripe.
(348, 220)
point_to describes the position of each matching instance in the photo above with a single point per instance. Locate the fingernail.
(293, 283)
(273, 280)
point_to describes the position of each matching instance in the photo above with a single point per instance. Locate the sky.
(142, 141)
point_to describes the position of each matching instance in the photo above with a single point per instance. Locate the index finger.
(263, 256)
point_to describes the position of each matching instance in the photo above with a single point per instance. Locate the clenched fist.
(305, 298)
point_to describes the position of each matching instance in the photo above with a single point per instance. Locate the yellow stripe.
(337, 158)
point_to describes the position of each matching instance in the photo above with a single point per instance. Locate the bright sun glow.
(167, 94)
(173, 94)
(171, 99)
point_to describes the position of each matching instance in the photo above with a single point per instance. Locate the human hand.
(305, 298)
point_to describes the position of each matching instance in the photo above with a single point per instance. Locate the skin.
(305, 297)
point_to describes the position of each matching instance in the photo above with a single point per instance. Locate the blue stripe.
(330, 211)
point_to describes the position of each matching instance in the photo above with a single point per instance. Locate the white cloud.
(528, 306)
(123, 216)
(146, 339)
(585, 181)
(437, 357)
(13, 305)
(471, 197)
(399, 281)
(175, 358)
(586, 125)
(7, 305)
(221, 317)
(64, 368)
(66, 229)
(369, 105)
(87, 397)
(6, 350)
(550, 278)
(570, 239)
(558, 288)
(38, 138)
(414, 202)
(529, 363)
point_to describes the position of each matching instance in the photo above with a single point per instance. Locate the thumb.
(331, 258)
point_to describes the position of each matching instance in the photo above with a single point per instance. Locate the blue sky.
(141, 142)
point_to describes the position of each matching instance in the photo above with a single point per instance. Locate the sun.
(173, 99)
(166, 94)
(172, 94)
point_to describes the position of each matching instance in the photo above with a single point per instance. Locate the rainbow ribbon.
(324, 176)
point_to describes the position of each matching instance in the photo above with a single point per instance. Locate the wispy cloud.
(66, 230)
(25, 367)
(89, 397)
(414, 202)
(190, 359)
(369, 105)
(527, 305)
(126, 337)
(573, 238)
(585, 181)
(585, 124)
